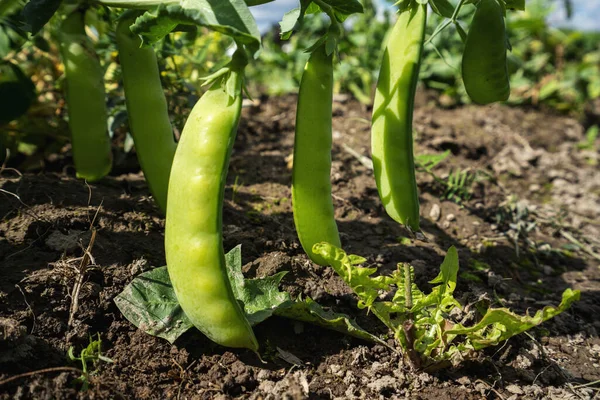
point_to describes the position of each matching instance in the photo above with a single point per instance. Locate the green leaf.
(311, 312)
(17, 92)
(231, 17)
(515, 4)
(38, 12)
(442, 7)
(261, 296)
(430, 161)
(288, 22)
(149, 303)
(358, 278)
(441, 295)
(499, 324)
(345, 7)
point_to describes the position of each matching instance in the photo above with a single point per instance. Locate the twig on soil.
(16, 196)
(540, 373)
(40, 371)
(583, 247)
(90, 196)
(28, 306)
(86, 261)
(583, 385)
(182, 375)
(491, 388)
(364, 160)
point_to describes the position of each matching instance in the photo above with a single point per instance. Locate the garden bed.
(47, 215)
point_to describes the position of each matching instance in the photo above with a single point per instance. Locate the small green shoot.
(235, 188)
(590, 138)
(458, 185)
(92, 353)
(429, 161)
(432, 329)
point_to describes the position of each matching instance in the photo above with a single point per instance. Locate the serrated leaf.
(260, 296)
(311, 312)
(358, 278)
(499, 324)
(231, 17)
(38, 12)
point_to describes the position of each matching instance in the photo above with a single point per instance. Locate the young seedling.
(91, 354)
(422, 323)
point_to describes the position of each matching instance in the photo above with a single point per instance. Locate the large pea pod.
(484, 66)
(391, 132)
(311, 181)
(193, 235)
(85, 97)
(147, 109)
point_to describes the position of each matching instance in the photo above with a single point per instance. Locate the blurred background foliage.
(551, 68)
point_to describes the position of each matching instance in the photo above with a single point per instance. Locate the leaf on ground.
(310, 311)
(499, 324)
(260, 296)
(358, 278)
(149, 302)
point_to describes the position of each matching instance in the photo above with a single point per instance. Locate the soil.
(47, 215)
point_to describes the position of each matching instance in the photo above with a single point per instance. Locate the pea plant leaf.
(293, 18)
(17, 92)
(149, 303)
(442, 7)
(37, 13)
(231, 17)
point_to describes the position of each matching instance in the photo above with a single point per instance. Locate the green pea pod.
(311, 181)
(484, 66)
(85, 99)
(147, 109)
(391, 132)
(193, 233)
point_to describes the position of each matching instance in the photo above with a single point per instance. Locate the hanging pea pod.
(85, 97)
(311, 180)
(391, 133)
(484, 66)
(193, 233)
(147, 109)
